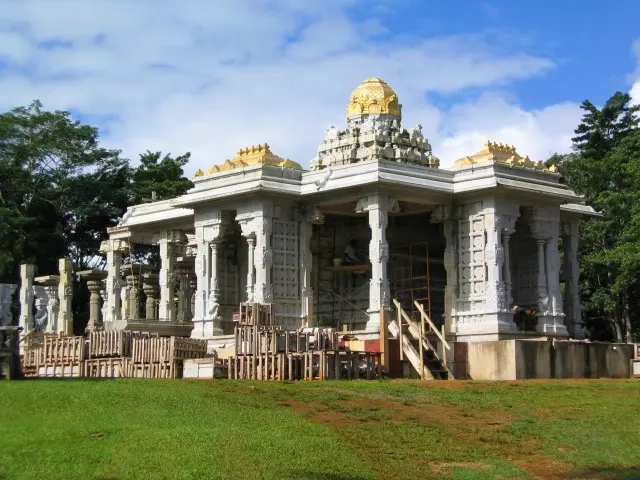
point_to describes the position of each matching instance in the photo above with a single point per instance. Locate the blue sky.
(213, 77)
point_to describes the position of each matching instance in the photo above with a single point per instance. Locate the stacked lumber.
(111, 354)
(56, 356)
(273, 353)
(109, 343)
(162, 357)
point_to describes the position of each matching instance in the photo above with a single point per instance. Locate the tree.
(162, 175)
(605, 168)
(60, 190)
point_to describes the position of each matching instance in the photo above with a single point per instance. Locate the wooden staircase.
(429, 362)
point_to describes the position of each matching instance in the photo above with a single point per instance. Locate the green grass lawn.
(178, 429)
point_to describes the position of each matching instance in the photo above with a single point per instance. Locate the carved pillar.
(256, 223)
(95, 320)
(114, 284)
(50, 284)
(65, 295)
(151, 288)
(573, 319)
(251, 245)
(494, 257)
(310, 218)
(41, 316)
(105, 299)
(263, 290)
(6, 293)
(444, 214)
(133, 289)
(209, 232)
(27, 273)
(506, 268)
(95, 284)
(125, 291)
(168, 240)
(378, 207)
(544, 224)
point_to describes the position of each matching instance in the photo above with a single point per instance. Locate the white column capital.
(377, 201)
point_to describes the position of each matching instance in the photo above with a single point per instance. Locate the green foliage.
(605, 168)
(162, 175)
(60, 190)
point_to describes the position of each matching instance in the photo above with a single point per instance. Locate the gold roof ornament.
(495, 152)
(373, 96)
(250, 157)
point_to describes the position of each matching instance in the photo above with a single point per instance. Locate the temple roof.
(499, 153)
(249, 157)
(373, 96)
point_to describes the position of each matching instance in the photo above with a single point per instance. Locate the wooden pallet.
(311, 365)
(109, 343)
(106, 367)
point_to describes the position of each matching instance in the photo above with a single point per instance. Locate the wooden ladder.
(435, 366)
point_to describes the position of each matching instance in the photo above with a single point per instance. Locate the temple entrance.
(342, 269)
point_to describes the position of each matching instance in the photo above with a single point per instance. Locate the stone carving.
(41, 317)
(6, 293)
(373, 132)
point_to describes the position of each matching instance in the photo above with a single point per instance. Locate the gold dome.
(373, 96)
(250, 157)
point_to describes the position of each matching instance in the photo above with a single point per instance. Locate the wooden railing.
(417, 331)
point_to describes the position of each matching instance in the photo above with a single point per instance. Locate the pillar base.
(373, 324)
(552, 325)
(207, 328)
(485, 324)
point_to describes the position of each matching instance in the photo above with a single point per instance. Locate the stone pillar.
(125, 291)
(150, 289)
(27, 273)
(105, 299)
(444, 214)
(312, 217)
(114, 284)
(256, 223)
(50, 284)
(41, 316)
(6, 293)
(95, 314)
(133, 304)
(185, 268)
(544, 224)
(378, 207)
(65, 296)
(506, 268)
(573, 319)
(209, 229)
(482, 310)
(263, 259)
(251, 275)
(95, 284)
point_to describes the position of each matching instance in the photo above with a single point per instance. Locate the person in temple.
(351, 256)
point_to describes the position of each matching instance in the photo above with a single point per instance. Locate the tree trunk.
(626, 318)
(616, 322)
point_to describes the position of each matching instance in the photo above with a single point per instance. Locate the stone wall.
(529, 359)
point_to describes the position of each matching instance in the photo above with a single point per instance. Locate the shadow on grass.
(629, 473)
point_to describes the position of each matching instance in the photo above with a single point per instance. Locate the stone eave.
(580, 209)
(154, 212)
(376, 172)
(239, 182)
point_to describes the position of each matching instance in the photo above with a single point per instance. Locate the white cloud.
(635, 88)
(212, 77)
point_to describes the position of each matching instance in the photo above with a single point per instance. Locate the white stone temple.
(375, 219)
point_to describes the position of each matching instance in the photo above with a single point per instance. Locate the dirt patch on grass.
(544, 467)
(477, 428)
